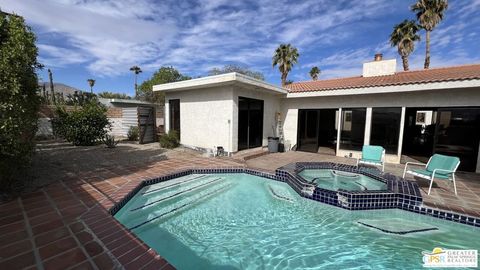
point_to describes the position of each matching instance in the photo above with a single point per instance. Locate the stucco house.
(413, 113)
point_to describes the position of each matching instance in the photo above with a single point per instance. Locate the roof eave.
(218, 80)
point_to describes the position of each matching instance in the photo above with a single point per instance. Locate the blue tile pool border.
(400, 193)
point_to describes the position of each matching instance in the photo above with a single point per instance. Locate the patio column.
(478, 160)
(400, 135)
(339, 128)
(166, 117)
(368, 125)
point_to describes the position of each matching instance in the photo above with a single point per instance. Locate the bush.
(110, 141)
(133, 133)
(169, 140)
(19, 101)
(84, 126)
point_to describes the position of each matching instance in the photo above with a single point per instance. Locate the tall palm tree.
(429, 14)
(285, 57)
(314, 72)
(404, 36)
(91, 83)
(137, 70)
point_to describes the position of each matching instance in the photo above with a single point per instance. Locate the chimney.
(379, 67)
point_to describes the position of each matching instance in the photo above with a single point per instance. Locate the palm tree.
(404, 36)
(314, 72)
(429, 14)
(91, 82)
(137, 70)
(285, 57)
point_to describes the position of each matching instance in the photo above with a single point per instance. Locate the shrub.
(133, 133)
(19, 101)
(84, 126)
(110, 141)
(169, 140)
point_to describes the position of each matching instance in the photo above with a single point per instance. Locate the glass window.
(385, 127)
(352, 129)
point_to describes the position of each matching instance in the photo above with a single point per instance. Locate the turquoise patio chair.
(372, 155)
(438, 166)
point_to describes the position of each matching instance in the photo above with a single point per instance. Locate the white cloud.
(108, 36)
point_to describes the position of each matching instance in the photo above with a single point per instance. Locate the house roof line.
(217, 80)
(442, 74)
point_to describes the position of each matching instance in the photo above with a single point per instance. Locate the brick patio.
(66, 224)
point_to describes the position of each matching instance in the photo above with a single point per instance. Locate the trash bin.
(273, 144)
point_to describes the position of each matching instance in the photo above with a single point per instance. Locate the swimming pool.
(240, 221)
(335, 180)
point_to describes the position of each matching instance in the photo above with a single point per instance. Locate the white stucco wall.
(209, 117)
(431, 98)
(204, 116)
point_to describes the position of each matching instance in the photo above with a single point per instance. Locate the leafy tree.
(285, 57)
(107, 94)
(239, 69)
(136, 70)
(429, 15)
(163, 75)
(91, 83)
(314, 72)
(19, 101)
(404, 36)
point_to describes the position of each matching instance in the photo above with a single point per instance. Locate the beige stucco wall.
(430, 98)
(204, 117)
(209, 117)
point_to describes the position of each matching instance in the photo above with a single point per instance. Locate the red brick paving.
(66, 225)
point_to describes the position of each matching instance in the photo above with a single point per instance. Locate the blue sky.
(102, 39)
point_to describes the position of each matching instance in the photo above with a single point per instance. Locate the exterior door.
(458, 134)
(250, 123)
(308, 127)
(174, 110)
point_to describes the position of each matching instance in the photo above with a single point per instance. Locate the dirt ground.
(55, 160)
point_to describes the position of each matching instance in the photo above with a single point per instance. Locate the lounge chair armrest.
(411, 163)
(437, 170)
(415, 163)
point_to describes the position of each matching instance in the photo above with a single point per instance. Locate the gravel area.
(55, 160)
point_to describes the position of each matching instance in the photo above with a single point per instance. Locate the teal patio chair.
(372, 155)
(438, 166)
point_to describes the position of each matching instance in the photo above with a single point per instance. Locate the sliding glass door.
(250, 123)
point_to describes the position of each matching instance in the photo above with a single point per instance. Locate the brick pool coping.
(69, 224)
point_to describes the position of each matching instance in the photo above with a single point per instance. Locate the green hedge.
(170, 140)
(87, 125)
(19, 102)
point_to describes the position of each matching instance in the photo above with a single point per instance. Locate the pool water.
(240, 221)
(335, 180)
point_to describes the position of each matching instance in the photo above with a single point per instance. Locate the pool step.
(174, 184)
(176, 194)
(183, 204)
(280, 194)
